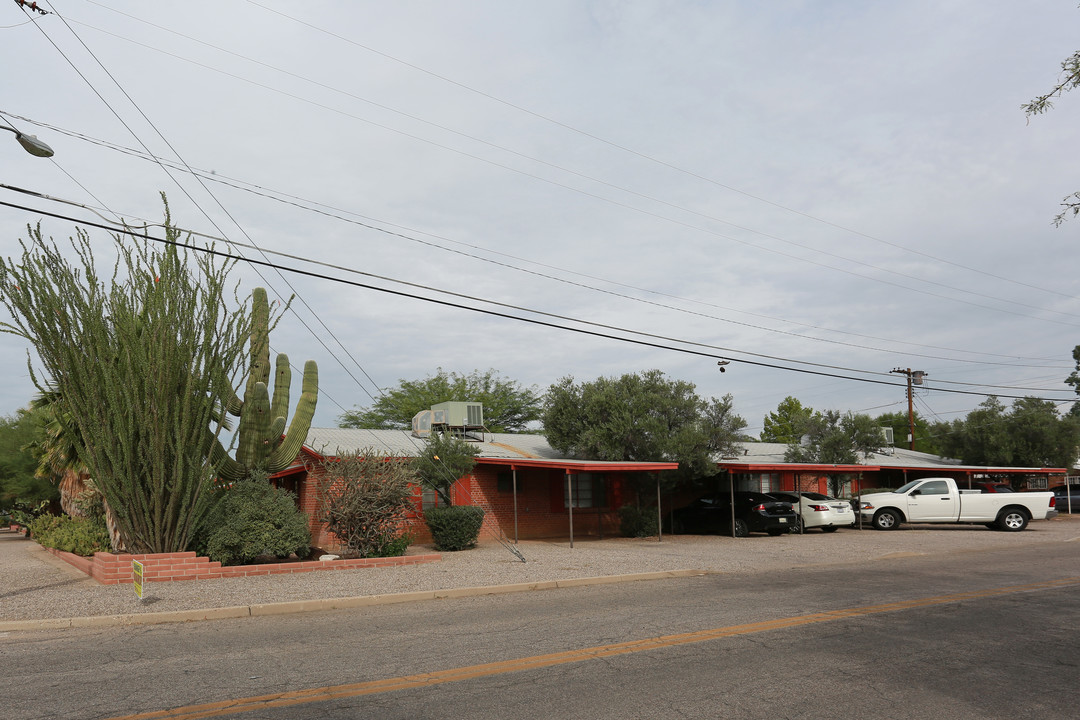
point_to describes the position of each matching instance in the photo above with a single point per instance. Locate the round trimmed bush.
(250, 519)
(454, 528)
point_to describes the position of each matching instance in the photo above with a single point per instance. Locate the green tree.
(443, 461)
(1040, 436)
(18, 463)
(508, 406)
(1069, 79)
(925, 439)
(788, 423)
(836, 439)
(142, 362)
(981, 438)
(642, 417)
(1032, 433)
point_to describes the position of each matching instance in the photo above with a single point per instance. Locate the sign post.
(137, 578)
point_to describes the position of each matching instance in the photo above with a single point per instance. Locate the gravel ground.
(36, 585)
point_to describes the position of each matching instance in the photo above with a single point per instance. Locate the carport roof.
(764, 456)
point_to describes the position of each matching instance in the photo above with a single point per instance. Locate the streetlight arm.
(30, 143)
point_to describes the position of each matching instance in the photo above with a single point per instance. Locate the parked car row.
(779, 512)
(775, 513)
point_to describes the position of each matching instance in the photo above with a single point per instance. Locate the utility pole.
(913, 377)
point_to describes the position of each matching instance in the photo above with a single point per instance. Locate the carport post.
(731, 490)
(858, 501)
(659, 513)
(798, 494)
(570, 506)
(513, 470)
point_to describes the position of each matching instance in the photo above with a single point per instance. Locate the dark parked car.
(1063, 495)
(754, 512)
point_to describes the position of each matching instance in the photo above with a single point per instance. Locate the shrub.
(82, 536)
(41, 525)
(364, 499)
(250, 519)
(637, 522)
(454, 528)
(394, 547)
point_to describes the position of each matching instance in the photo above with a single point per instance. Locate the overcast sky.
(837, 187)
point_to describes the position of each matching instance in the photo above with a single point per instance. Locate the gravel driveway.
(36, 585)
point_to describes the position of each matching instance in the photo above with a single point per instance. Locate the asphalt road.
(963, 635)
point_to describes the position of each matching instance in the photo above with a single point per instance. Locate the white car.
(814, 510)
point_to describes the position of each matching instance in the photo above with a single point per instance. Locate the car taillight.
(819, 508)
(760, 508)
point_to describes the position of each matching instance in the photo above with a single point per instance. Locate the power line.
(533, 321)
(213, 177)
(343, 268)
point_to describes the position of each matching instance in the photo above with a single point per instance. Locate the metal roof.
(772, 454)
(533, 449)
(526, 449)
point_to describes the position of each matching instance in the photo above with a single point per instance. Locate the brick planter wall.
(111, 569)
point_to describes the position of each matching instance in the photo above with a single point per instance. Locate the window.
(504, 481)
(587, 491)
(428, 498)
(769, 481)
(937, 487)
(757, 482)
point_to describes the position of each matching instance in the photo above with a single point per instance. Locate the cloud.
(852, 186)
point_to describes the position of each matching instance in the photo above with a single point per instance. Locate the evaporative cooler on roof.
(457, 418)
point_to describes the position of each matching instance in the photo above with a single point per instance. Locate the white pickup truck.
(939, 500)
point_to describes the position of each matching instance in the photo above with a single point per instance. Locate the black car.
(1065, 494)
(754, 512)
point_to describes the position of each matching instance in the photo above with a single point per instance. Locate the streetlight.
(30, 143)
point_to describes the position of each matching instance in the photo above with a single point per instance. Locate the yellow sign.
(137, 577)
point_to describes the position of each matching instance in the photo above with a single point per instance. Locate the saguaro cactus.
(260, 444)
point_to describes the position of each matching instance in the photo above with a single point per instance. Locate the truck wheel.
(886, 520)
(1012, 520)
(741, 528)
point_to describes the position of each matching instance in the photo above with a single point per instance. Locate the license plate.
(783, 519)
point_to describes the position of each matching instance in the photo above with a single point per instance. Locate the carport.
(571, 470)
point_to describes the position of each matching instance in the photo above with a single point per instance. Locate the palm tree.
(59, 459)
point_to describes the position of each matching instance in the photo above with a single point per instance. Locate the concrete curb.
(302, 606)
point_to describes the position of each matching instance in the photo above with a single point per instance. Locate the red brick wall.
(111, 569)
(539, 506)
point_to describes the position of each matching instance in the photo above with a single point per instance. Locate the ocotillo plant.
(259, 443)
